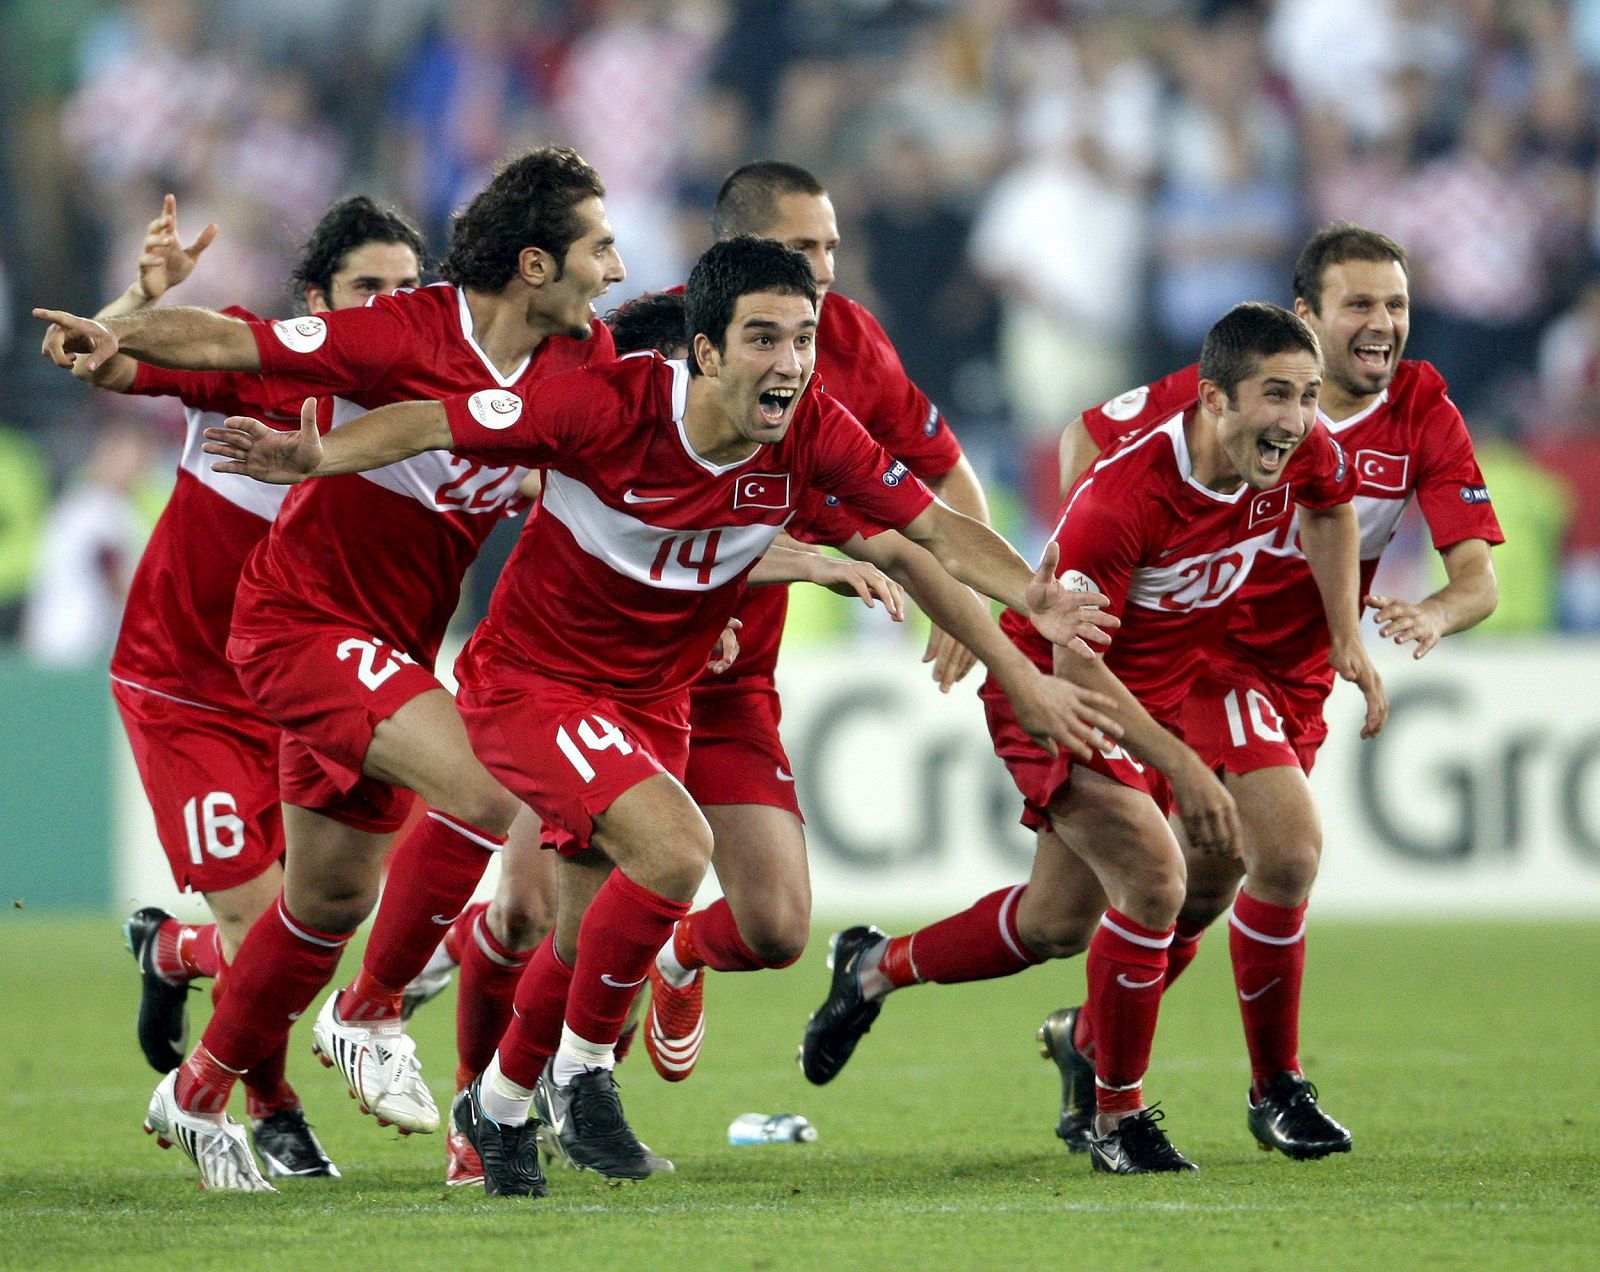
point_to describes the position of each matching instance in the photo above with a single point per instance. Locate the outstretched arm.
(1331, 540)
(384, 436)
(1049, 709)
(183, 338)
(971, 552)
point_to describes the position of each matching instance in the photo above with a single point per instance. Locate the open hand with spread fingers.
(277, 457)
(1077, 620)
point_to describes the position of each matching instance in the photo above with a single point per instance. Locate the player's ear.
(706, 355)
(1302, 310)
(1212, 397)
(317, 301)
(536, 266)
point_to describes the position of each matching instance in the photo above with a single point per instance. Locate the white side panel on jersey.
(1380, 518)
(439, 480)
(242, 492)
(680, 560)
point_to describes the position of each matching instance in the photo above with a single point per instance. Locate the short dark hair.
(531, 202)
(656, 321)
(1247, 333)
(748, 200)
(347, 225)
(738, 267)
(1333, 245)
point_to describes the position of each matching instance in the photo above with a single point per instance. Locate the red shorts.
(327, 686)
(1042, 777)
(212, 781)
(735, 753)
(567, 751)
(1241, 720)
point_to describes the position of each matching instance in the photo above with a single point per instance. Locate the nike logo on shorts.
(782, 776)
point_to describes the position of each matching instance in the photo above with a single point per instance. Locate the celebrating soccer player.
(338, 620)
(1256, 716)
(1170, 527)
(666, 483)
(207, 756)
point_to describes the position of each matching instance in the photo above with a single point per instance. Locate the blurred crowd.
(1045, 201)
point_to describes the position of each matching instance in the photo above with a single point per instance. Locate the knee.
(776, 940)
(337, 907)
(1155, 894)
(519, 923)
(681, 861)
(1285, 876)
(491, 808)
(1058, 933)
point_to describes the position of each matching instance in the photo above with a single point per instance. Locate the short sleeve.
(865, 477)
(1322, 474)
(1101, 543)
(1450, 486)
(1129, 414)
(546, 419)
(341, 351)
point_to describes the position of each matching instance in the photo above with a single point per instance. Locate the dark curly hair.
(655, 321)
(530, 203)
(737, 267)
(1334, 245)
(347, 225)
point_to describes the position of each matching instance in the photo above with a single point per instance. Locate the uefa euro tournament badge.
(302, 335)
(495, 408)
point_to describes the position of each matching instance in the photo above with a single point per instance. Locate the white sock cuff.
(1300, 933)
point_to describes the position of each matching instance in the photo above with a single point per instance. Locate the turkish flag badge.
(1379, 470)
(762, 490)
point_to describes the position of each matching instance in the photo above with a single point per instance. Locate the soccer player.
(1170, 527)
(666, 482)
(206, 755)
(339, 618)
(1257, 714)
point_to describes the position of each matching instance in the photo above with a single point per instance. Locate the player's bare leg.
(1121, 835)
(762, 920)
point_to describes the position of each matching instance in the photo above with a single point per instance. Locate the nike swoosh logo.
(442, 921)
(1250, 998)
(782, 776)
(293, 1015)
(616, 984)
(1123, 980)
(628, 497)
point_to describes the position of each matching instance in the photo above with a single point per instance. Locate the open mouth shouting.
(1274, 452)
(1373, 355)
(774, 404)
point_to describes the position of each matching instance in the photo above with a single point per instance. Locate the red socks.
(1268, 944)
(541, 1002)
(184, 951)
(626, 924)
(278, 972)
(266, 1088)
(1127, 967)
(980, 943)
(710, 938)
(489, 976)
(431, 877)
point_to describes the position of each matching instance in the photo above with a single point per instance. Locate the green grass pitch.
(1465, 1058)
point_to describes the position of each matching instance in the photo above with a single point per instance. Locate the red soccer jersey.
(1173, 555)
(640, 551)
(386, 550)
(1410, 441)
(858, 366)
(180, 602)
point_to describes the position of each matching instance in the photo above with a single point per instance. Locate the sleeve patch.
(1074, 581)
(301, 335)
(1128, 405)
(495, 408)
(896, 474)
(1475, 494)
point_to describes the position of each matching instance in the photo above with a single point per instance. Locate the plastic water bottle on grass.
(779, 1128)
